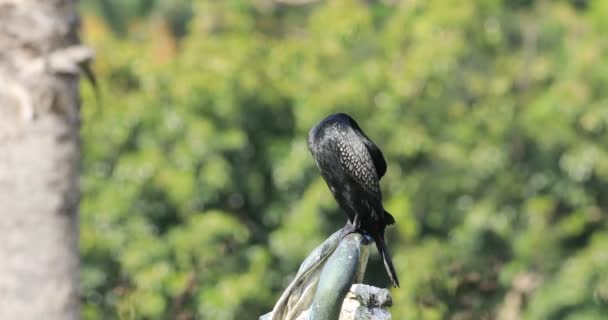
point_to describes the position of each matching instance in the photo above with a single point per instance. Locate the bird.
(352, 166)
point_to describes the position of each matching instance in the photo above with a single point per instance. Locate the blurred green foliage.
(200, 198)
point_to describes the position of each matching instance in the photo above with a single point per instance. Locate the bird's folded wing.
(356, 161)
(374, 151)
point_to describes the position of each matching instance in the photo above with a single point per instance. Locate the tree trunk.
(39, 159)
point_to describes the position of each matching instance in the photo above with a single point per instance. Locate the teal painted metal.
(324, 279)
(341, 270)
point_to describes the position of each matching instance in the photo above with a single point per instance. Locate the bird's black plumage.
(352, 166)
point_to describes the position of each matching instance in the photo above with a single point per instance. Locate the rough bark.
(39, 159)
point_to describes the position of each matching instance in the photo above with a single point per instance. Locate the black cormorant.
(352, 166)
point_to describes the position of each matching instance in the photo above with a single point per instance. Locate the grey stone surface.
(365, 302)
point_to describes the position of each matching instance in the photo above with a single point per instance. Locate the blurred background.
(200, 197)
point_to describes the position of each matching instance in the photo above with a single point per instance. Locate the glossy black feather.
(352, 166)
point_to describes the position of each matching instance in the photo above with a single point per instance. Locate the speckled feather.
(356, 160)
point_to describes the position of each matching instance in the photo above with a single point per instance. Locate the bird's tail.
(386, 257)
(388, 218)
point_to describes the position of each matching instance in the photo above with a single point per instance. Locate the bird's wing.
(374, 151)
(357, 162)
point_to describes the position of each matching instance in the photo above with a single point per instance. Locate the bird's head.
(334, 121)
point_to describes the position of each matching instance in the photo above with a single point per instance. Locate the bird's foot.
(367, 238)
(356, 222)
(348, 229)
